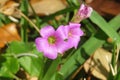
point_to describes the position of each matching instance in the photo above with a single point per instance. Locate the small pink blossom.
(50, 43)
(85, 11)
(71, 34)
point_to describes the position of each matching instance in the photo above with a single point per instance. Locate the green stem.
(24, 31)
(42, 69)
(113, 65)
(29, 21)
(114, 56)
(20, 55)
(38, 20)
(24, 24)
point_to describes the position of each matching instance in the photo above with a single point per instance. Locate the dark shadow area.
(4, 78)
(2, 60)
(84, 54)
(82, 74)
(48, 64)
(101, 67)
(101, 35)
(21, 74)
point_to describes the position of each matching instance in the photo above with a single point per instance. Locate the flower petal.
(73, 41)
(46, 31)
(62, 46)
(75, 29)
(82, 7)
(74, 24)
(50, 52)
(85, 11)
(63, 31)
(41, 44)
(90, 12)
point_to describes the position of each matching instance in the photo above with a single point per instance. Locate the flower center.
(51, 39)
(70, 33)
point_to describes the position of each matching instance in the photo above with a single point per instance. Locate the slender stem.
(112, 69)
(42, 69)
(20, 55)
(15, 77)
(24, 24)
(117, 55)
(24, 30)
(114, 56)
(29, 21)
(27, 54)
(37, 18)
(113, 64)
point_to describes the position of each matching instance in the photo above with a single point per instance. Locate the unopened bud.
(83, 13)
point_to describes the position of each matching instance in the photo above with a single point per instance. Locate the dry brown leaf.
(9, 8)
(105, 7)
(111, 7)
(98, 64)
(47, 7)
(32, 78)
(2, 2)
(96, 4)
(8, 33)
(28, 77)
(88, 1)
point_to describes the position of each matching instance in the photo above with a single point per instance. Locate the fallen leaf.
(28, 77)
(2, 2)
(9, 8)
(88, 1)
(96, 4)
(105, 7)
(110, 7)
(98, 64)
(47, 7)
(8, 33)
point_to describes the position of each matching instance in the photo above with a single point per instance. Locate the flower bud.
(83, 13)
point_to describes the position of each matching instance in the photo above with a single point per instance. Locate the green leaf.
(66, 10)
(117, 77)
(80, 56)
(24, 6)
(73, 2)
(19, 47)
(32, 64)
(88, 48)
(8, 67)
(57, 76)
(52, 69)
(115, 22)
(4, 19)
(90, 27)
(104, 26)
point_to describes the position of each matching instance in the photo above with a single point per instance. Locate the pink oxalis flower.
(50, 42)
(71, 34)
(65, 37)
(83, 13)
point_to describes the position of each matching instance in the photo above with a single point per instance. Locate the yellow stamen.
(51, 39)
